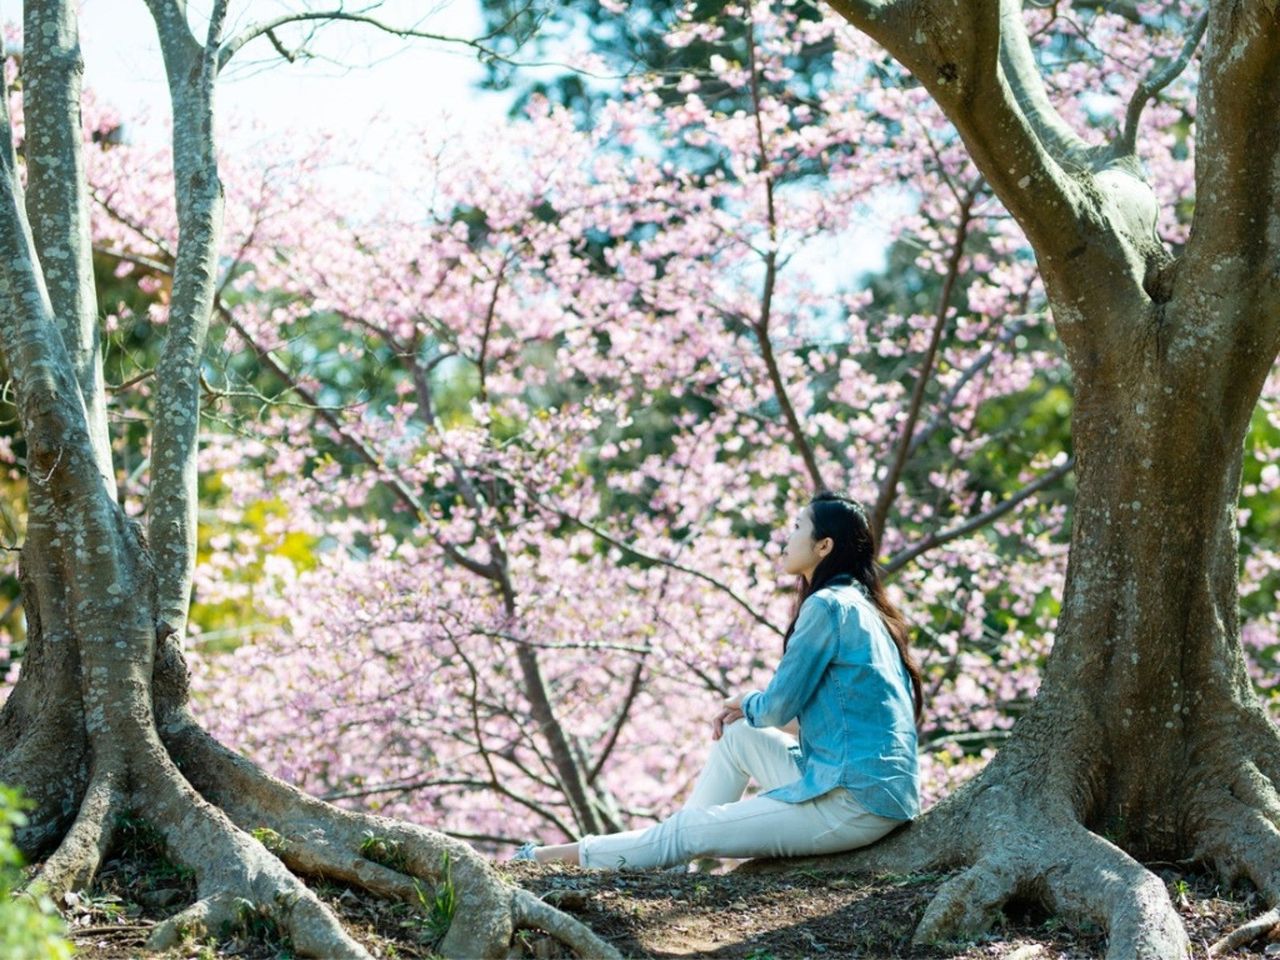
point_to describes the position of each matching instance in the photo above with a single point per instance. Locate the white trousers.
(717, 822)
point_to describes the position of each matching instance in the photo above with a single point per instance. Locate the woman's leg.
(756, 827)
(744, 752)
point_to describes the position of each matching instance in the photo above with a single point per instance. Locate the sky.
(364, 72)
(362, 76)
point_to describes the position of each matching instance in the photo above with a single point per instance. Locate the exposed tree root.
(1020, 849)
(73, 865)
(1245, 934)
(969, 903)
(1242, 841)
(319, 839)
(1086, 876)
(310, 926)
(235, 875)
(534, 914)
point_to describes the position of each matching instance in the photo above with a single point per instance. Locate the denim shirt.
(843, 677)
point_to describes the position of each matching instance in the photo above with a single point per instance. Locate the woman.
(846, 686)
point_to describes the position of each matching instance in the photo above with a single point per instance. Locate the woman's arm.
(731, 710)
(810, 649)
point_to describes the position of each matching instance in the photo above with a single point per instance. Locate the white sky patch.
(365, 84)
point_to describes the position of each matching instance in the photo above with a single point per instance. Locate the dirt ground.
(803, 914)
(660, 915)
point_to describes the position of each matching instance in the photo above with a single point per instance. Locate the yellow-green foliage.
(228, 622)
(29, 929)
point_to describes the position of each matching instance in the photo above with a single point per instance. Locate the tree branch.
(903, 557)
(57, 201)
(269, 27)
(642, 555)
(954, 48)
(761, 324)
(198, 196)
(1234, 239)
(360, 448)
(1019, 65)
(889, 486)
(624, 712)
(948, 400)
(1155, 81)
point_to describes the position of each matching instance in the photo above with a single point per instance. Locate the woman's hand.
(730, 711)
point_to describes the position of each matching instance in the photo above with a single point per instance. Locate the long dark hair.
(853, 555)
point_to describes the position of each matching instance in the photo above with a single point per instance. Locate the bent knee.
(738, 729)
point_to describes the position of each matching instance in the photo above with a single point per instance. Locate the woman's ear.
(825, 546)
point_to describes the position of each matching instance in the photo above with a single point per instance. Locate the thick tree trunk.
(1147, 679)
(80, 736)
(1146, 740)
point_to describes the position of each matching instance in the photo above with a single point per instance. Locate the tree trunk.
(1146, 740)
(1146, 734)
(1148, 674)
(245, 835)
(98, 724)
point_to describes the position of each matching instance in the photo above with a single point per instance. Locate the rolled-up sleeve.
(810, 649)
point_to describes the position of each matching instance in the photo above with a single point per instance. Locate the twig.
(889, 487)
(902, 558)
(1155, 81)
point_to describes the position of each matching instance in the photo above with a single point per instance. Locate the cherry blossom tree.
(498, 439)
(1078, 766)
(507, 280)
(97, 722)
(1146, 729)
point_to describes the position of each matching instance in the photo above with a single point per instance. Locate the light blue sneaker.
(525, 852)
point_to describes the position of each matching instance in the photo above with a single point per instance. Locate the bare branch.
(640, 554)
(1007, 335)
(354, 443)
(901, 559)
(496, 781)
(1020, 70)
(889, 486)
(170, 17)
(954, 48)
(624, 712)
(269, 28)
(290, 55)
(761, 324)
(1155, 81)
(190, 68)
(1235, 237)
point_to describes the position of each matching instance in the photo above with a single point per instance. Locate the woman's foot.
(525, 851)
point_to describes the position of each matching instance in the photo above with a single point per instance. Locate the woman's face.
(802, 555)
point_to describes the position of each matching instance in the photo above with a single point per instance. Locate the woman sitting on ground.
(847, 687)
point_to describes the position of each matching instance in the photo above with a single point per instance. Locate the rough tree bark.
(97, 723)
(1146, 740)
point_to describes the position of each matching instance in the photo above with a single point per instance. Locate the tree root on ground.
(1242, 841)
(73, 865)
(244, 833)
(1019, 849)
(387, 857)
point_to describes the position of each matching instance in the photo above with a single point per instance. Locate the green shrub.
(29, 929)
